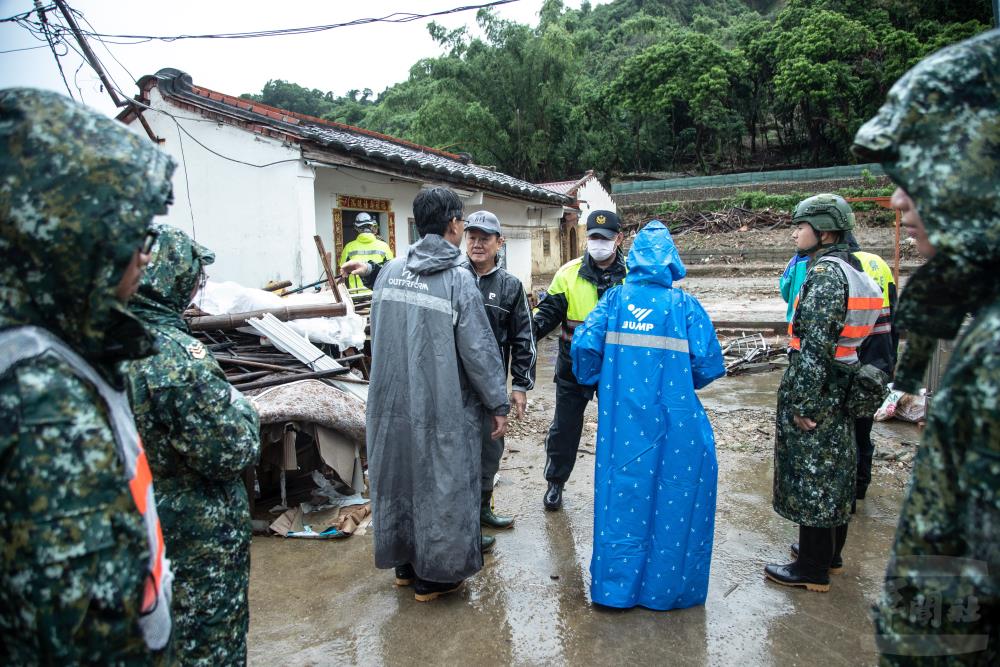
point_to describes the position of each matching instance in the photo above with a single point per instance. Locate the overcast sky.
(369, 56)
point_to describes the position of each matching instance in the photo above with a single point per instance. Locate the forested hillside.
(655, 85)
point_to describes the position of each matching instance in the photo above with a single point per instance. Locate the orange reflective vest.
(25, 342)
(864, 305)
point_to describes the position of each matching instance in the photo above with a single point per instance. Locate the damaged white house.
(255, 183)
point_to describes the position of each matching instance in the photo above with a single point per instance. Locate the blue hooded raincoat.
(648, 346)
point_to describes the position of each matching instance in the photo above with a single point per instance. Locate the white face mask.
(600, 249)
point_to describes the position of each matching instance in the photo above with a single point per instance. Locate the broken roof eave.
(177, 87)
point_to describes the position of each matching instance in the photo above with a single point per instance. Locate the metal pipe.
(234, 361)
(260, 384)
(285, 313)
(246, 377)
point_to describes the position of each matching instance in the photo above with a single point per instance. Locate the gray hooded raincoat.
(436, 372)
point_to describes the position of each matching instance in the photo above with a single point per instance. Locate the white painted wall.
(593, 197)
(334, 181)
(521, 222)
(258, 221)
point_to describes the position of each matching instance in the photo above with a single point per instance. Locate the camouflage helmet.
(825, 213)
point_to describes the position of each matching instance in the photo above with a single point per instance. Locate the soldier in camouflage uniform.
(938, 138)
(814, 452)
(200, 434)
(78, 584)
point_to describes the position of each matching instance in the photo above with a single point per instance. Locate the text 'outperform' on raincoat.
(648, 346)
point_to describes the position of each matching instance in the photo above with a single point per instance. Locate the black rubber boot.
(487, 544)
(425, 591)
(839, 540)
(811, 568)
(553, 496)
(405, 575)
(488, 518)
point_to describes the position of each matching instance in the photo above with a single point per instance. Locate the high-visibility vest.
(367, 248)
(581, 296)
(880, 272)
(864, 304)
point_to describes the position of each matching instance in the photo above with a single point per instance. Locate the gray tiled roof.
(382, 150)
(393, 153)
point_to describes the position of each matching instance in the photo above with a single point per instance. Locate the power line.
(27, 48)
(43, 26)
(104, 44)
(397, 17)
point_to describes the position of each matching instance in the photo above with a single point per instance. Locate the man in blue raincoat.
(648, 346)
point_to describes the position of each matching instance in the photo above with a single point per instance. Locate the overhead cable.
(396, 17)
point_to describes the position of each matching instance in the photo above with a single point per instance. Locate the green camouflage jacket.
(200, 434)
(77, 194)
(814, 470)
(938, 137)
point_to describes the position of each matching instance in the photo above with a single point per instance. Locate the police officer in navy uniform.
(575, 290)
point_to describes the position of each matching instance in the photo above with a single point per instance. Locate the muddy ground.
(324, 603)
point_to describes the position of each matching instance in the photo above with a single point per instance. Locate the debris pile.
(301, 361)
(734, 219)
(751, 353)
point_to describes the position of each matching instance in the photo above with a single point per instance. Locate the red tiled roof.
(295, 118)
(567, 187)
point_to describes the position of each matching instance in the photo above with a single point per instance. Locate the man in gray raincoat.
(436, 370)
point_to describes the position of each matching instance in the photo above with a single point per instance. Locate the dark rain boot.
(811, 569)
(487, 544)
(553, 496)
(488, 518)
(839, 539)
(405, 575)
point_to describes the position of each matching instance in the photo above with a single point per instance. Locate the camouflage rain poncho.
(200, 434)
(938, 137)
(77, 194)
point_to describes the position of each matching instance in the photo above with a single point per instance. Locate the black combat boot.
(811, 568)
(488, 518)
(405, 575)
(553, 496)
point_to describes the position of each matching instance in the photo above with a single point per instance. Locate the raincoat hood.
(938, 137)
(77, 194)
(654, 257)
(175, 264)
(431, 254)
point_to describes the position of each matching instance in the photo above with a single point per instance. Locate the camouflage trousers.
(940, 604)
(211, 609)
(70, 611)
